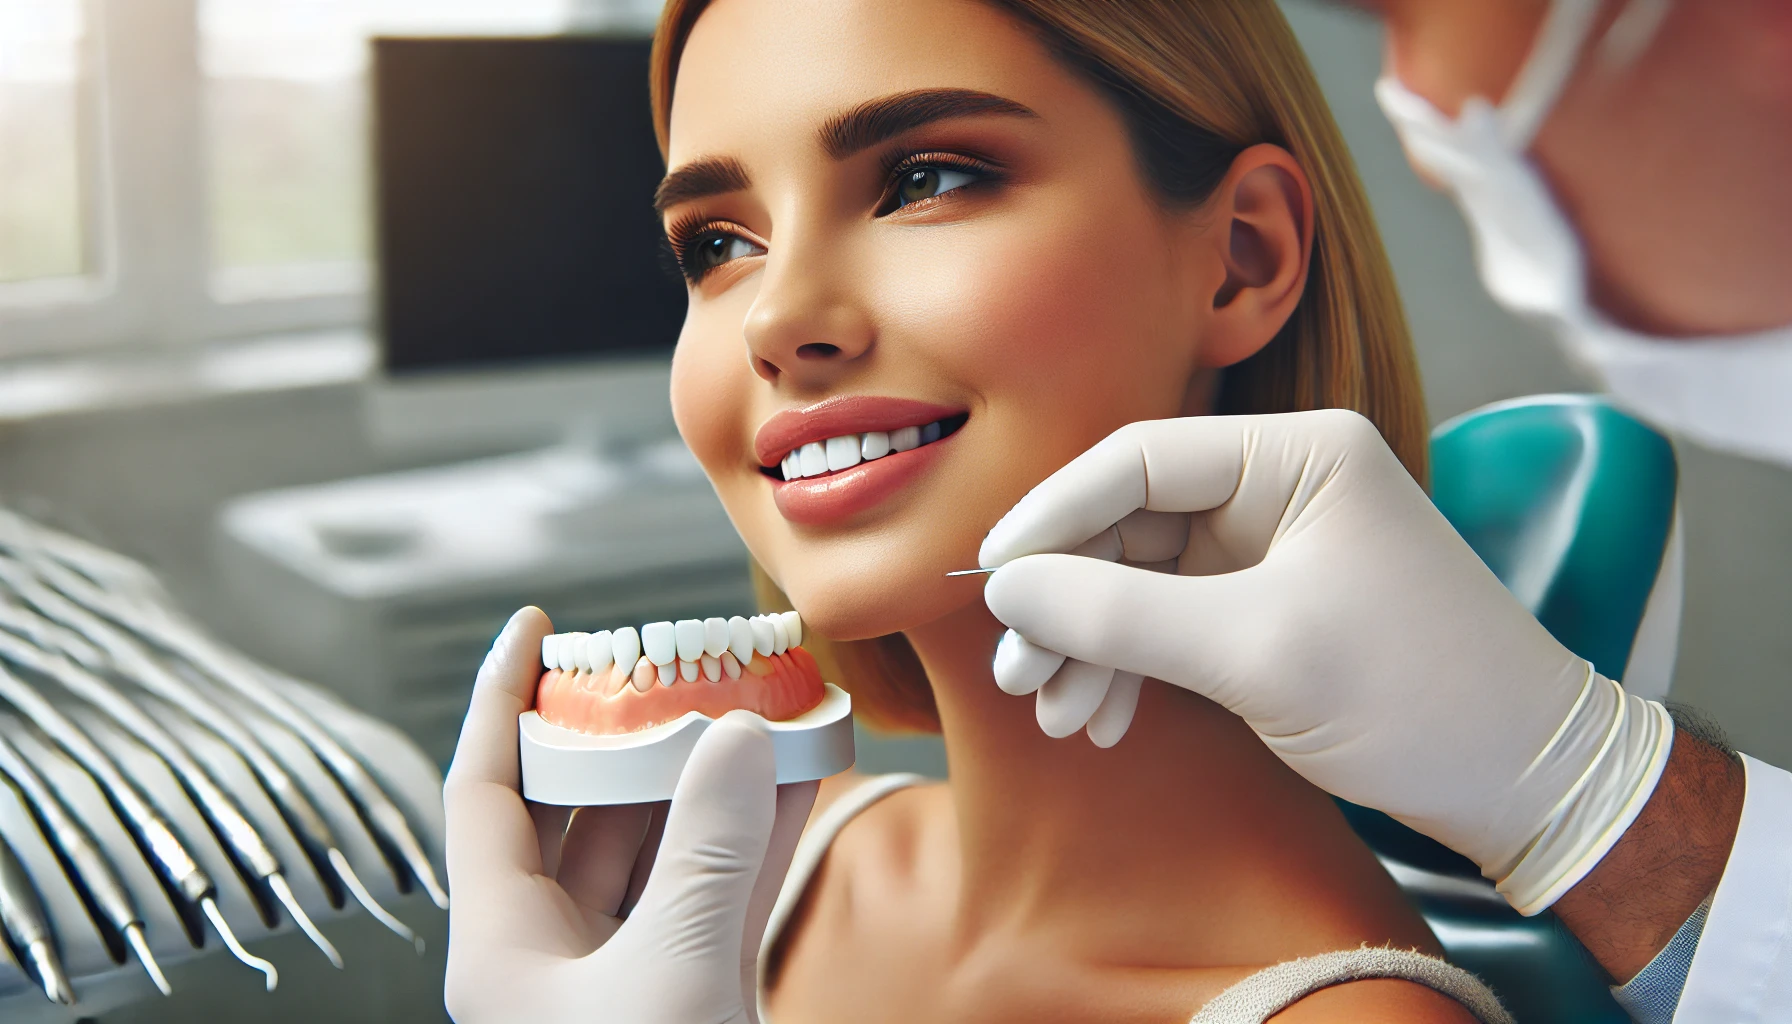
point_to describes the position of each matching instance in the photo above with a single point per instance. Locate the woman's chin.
(853, 610)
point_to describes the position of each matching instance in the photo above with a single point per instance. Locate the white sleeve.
(1742, 973)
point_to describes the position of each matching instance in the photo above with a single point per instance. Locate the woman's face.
(896, 214)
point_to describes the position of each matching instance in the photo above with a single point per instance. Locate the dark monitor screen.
(514, 202)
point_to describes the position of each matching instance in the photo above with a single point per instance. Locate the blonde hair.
(1196, 81)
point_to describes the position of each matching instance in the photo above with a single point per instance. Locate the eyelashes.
(931, 172)
(697, 244)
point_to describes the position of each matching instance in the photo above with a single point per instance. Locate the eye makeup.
(913, 181)
(701, 243)
(920, 179)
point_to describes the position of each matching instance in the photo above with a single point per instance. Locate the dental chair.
(1572, 503)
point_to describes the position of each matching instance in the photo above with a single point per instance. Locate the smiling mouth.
(843, 452)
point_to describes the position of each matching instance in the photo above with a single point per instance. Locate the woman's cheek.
(1061, 313)
(709, 401)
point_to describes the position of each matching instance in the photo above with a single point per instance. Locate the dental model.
(608, 683)
(617, 712)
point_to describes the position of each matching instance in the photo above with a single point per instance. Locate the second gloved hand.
(1306, 583)
(642, 913)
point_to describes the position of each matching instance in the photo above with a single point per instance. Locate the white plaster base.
(575, 769)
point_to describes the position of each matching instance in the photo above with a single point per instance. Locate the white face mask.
(1732, 392)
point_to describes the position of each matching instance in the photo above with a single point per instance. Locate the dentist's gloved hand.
(1288, 568)
(639, 913)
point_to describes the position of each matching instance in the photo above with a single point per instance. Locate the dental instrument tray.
(618, 713)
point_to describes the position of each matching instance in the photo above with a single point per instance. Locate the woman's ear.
(1261, 220)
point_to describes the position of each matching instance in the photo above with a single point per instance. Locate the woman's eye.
(928, 182)
(711, 251)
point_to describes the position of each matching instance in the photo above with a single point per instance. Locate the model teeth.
(659, 642)
(740, 639)
(793, 627)
(625, 645)
(715, 636)
(601, 650)
(689, 650)
(688, 633)
(848, 450)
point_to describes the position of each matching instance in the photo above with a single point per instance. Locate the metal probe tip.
(365, 898)
(283, 891)
(972, 572)
(49, 972)
(419, 865)
(133, 934)
(210, 906)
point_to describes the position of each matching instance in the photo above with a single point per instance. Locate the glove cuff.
(1634, 737)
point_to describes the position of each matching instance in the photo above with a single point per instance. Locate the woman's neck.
(1189, 819)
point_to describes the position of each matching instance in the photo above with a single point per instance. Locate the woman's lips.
(789, 430)
(817, 501)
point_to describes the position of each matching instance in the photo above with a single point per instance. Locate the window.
(42, 221)
(175, 171)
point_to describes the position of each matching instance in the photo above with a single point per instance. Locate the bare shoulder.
(1381, 1001)
(890, 818)
(889, 847)
(833, 788)
(884, 883)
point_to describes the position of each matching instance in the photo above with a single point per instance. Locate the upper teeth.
(685, 649)
(848, 450)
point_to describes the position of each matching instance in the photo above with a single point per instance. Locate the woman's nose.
(805, 327)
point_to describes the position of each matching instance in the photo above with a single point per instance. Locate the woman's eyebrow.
(700, 179)
(886, 117)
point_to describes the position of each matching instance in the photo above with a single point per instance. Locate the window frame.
(150, 280)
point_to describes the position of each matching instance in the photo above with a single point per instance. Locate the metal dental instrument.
(82, 857)
(160, 846)
(158, 623)
(266, 967)
(365, 898)
(28, 927)
(218, 807)
(254, 682)
(972, 572)
(140, 667)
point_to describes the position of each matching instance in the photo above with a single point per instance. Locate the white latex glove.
(1306, 583)
(615, 921)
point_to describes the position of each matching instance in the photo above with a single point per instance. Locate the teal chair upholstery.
(1571, 502)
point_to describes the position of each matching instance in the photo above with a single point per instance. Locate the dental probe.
(159, 625)
(81, 854)
(28, 927)
(155, 838)
(136, 664)
(140, 667)
(220, 810)
(107, 568)
(255, 683)
(972, 572)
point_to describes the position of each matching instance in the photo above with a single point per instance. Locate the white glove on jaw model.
(546, 924)
(1318, 594)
